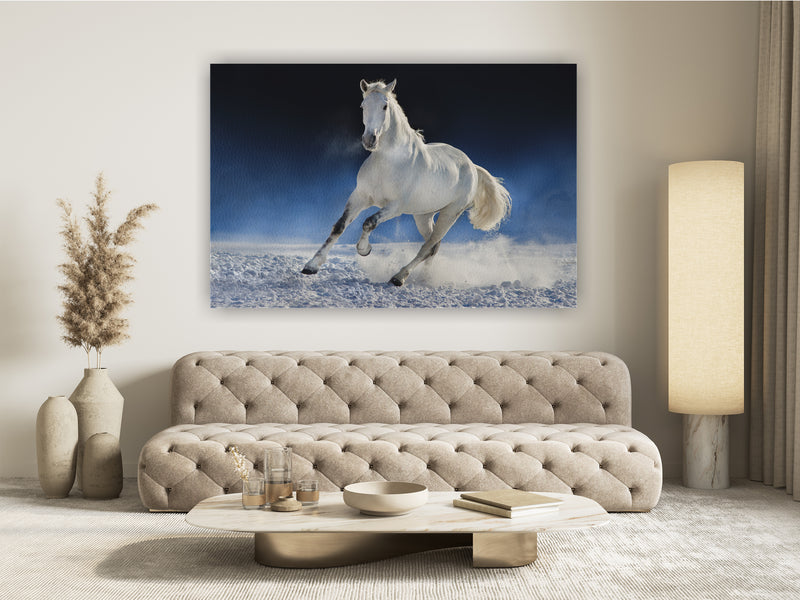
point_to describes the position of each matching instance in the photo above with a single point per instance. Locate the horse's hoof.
(396, 281)
(366, 252)
(309, 270)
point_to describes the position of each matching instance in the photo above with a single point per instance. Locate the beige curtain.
(775, 369)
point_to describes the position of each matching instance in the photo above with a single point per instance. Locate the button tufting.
(225, 490)
(198, 466)
(247, 406)
(169, 490)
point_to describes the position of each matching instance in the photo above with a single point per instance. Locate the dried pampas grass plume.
(95, 272)
(240, 463)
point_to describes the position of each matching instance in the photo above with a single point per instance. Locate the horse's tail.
(492, 202)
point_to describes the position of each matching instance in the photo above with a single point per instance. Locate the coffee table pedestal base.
(499, 550)
(316, 550)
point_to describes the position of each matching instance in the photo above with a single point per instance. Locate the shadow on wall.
(24, 279)
(147, 411)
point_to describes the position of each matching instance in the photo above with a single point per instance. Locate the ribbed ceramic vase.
(99, 406)
(56, 446)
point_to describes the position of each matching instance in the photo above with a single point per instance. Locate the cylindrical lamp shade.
(706, 287)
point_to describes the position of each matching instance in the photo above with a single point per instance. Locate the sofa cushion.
(615, 465)
(401, 387)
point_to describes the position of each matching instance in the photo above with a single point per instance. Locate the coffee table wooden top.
(437, 516)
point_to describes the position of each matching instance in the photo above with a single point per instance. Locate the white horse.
(404, 175)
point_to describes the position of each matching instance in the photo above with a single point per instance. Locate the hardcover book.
(502, 512)
(512, 500)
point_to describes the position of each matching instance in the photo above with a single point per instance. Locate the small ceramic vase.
(102, 467)
(56, 446)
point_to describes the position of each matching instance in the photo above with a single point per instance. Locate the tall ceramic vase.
(56, 446)
(99, 407)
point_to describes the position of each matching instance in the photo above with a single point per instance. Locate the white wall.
(124, 87)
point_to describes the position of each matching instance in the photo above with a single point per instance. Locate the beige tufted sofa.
(544, 421)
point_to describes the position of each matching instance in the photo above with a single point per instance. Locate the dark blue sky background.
(285, 144)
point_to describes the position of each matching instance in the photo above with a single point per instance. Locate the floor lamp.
(706, 312)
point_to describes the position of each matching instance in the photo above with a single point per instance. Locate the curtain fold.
(775, 372)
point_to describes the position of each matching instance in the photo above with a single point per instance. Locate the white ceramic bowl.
(385, 498)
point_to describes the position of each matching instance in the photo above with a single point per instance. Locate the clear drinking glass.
(308, 492)
(254, 493)
(279, 473)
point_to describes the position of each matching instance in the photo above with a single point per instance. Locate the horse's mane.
(380, 87)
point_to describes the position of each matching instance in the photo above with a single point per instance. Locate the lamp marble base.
(705, 452)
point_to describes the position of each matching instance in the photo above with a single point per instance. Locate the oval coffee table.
(333, 534)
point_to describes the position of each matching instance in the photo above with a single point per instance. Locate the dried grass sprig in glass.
(240, 463)
(97, 268)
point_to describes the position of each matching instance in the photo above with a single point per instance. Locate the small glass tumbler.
(279, 473)
(308, 492)
(254, 493)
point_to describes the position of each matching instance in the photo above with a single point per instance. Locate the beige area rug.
(739, 543)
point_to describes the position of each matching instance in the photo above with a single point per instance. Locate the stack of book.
(508, 503)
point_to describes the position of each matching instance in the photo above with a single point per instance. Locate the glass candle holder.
(308, 492)
(254, 493)
(279, 473)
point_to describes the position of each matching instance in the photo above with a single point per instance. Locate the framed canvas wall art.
(393, 185)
